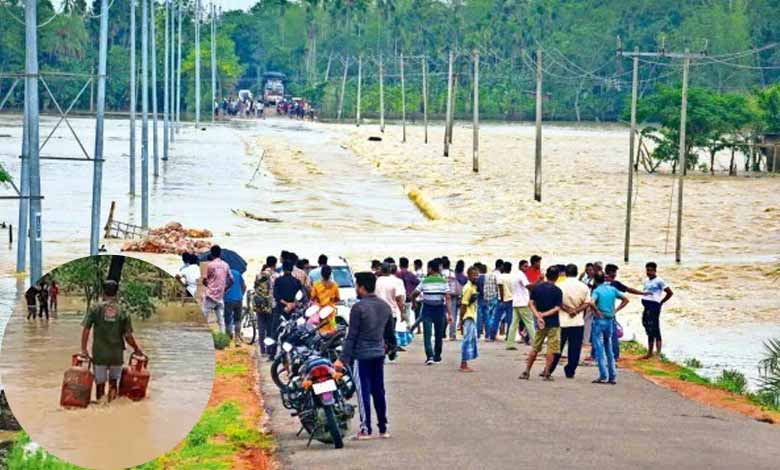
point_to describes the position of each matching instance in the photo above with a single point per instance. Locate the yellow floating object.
(425, 205)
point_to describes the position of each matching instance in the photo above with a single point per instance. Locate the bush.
(221, 340)
(693, 363)
(732, 381)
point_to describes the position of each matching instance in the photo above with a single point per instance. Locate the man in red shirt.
(534, 273)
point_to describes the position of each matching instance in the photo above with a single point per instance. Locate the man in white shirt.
(576, 299)
(391, 289)
(520, 310)
(657, 293)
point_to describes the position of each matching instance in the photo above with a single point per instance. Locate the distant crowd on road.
(247, 107)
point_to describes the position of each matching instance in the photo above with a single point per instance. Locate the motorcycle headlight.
(269, 342)
(287, 347)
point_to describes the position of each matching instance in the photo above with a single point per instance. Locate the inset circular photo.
(107, 362)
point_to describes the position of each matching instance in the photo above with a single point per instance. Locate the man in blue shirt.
(604, 297)
(234, 297)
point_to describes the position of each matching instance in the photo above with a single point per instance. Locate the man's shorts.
(553, 336)
(651, 319)
(32, 310)
(102, 373)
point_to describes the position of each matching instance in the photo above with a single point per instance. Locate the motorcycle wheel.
(279, 373)
(333, 427)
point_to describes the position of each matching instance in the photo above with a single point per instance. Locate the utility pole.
(343, 86)
(145, 113)
(683, 158)
(213, 62)
(359, 84)
(687, 56)
(133, 94)
(538, 148)
(178, 73)
(172, 106)
(425, 95)
(166, 80)
(24, 192)
(97, 175)
(452, 106)
(153, 34)
(197, 63)
(92, 92)
(449, 105)
(33, 123)
(381, 95)
(475, 164)
(403, 101)
(631, 150)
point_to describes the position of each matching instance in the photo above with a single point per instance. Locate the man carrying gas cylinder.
(112, 327)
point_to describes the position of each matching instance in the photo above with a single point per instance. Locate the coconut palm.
(769, 371)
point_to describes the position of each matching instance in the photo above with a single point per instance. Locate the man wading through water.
(370, 334)
(112, 327)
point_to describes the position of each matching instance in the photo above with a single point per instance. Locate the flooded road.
(337, 193)
(123, 433)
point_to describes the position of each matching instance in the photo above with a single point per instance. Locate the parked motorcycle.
(322, 406)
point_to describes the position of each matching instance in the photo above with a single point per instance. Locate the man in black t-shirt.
(546, 301)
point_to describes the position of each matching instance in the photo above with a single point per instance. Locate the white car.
(343, 276)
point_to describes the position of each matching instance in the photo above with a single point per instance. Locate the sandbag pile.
(173, 238)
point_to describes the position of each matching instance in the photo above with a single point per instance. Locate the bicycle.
(248, 333)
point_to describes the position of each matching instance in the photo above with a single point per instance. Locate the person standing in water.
(54, 292)
(110, 327)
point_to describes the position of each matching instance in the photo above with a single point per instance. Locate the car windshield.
(343, 276)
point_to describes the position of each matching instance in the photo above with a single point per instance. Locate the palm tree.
(769, 370)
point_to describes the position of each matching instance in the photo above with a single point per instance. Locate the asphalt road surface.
(440, 418)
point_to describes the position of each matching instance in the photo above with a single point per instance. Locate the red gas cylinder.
(135, 378)
(77, 383)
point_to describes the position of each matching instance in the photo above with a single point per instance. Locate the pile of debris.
(172, 238)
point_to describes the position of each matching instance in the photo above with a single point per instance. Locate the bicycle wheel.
(249, 327)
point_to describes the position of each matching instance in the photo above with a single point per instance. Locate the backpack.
(261, 300)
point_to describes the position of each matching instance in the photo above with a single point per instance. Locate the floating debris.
(171, 238)
(259, 218)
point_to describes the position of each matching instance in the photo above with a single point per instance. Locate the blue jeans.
(493, 313)
(506, 317)
(615, 341)
(455, 309)
(602, 345)
(482, 317)
(434, 320)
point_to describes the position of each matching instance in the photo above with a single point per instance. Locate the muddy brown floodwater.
(123, 433)
(336, 192)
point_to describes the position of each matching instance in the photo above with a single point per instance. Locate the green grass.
(693, 363)
(632, 347)
(221, 340)
(231, 369)
(732, 381)
(40, 460)
(689, 375)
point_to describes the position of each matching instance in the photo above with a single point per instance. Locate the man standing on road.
(316, 273)
(658, 293)
(546, 301)
(370, 332)
(285, 288)
(391, 289)
(520, 311)
(505, 290)
(490, 296)
(468, 319)
(604, 297)
(435, 311)
(234, 303)
(218, 280)
(576, 299)
(455, 295)
(534, 273)
(610, 272)
(410, 283)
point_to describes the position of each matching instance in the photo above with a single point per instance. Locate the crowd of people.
(559, 306)
(234, 106)
(295, 108)
(42, 298)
